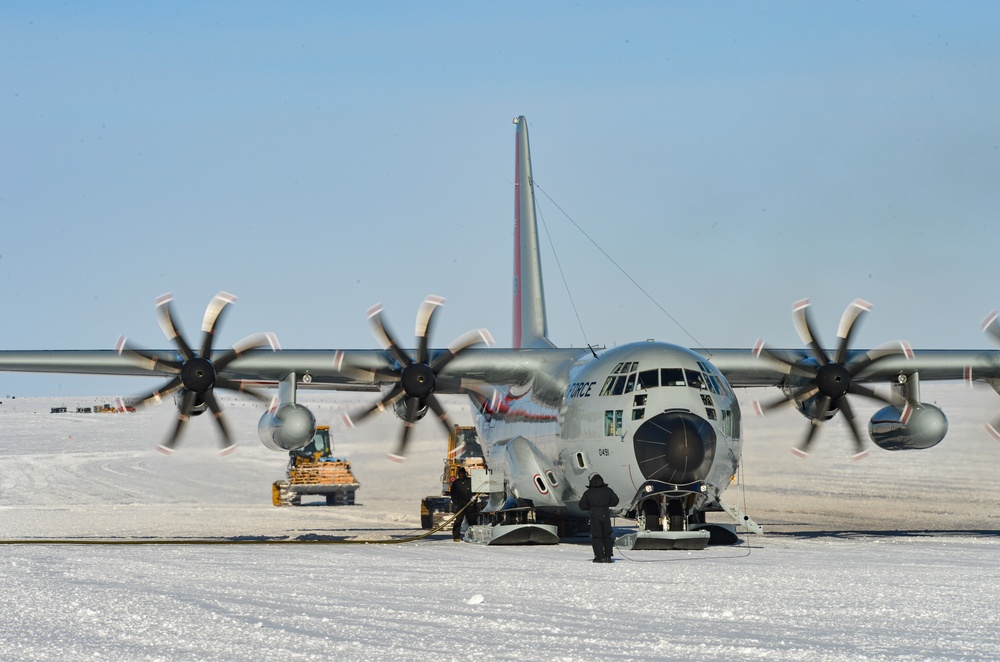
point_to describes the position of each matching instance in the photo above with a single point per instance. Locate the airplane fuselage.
(639, 414)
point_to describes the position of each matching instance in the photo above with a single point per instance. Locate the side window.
(608, 383)
(612, 422)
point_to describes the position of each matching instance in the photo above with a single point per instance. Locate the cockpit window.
(716, 382)
(649, 379)
(622, 379)
(695, 379)
(672, 377)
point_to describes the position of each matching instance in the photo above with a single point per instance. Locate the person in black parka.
(598, 501)
(461, 494)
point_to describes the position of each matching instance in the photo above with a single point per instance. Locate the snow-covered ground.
(894, 557)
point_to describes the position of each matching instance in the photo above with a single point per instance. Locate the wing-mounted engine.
(909, 424)
(194, 376)
(414, 379)
(825, 381)
(286, 425)
(809, 406)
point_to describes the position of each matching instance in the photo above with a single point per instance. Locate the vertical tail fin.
(530, 326)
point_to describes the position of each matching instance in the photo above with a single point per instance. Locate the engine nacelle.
(199, 404)
(287, 428)
(810, 406)
(400, 410)
(926, 426)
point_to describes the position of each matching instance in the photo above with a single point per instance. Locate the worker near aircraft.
(598, 500)
(461, 495)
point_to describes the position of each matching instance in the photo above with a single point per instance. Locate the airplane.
(659, 422)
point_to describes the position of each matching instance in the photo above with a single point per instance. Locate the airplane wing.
(743, 369)
(350, 369)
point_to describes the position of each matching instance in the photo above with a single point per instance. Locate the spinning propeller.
(196, 375)
(990, 327)
(829, 381)
(416, 378)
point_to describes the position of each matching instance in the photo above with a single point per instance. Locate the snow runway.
(892, 558)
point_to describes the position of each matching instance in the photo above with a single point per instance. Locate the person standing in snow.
(461, 494)
(598, 501)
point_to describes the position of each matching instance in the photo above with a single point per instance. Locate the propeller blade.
(399, 455)
(799, 395)
(390, 399)
(459, 345)
(344, 366)
(424, 318)
(762, 351)
(384, 336)
(412, 406)
(991, 327)
(144, 359)
(164, 313)
(803, 324)
(884, 351)
(250, 342)
(161, 393)
(183, 416)
(848, 323)
(864, 391)
(212, 313)
(845, 408)
(213, 405)
(442, 415)
(993, 428)
(824, 408)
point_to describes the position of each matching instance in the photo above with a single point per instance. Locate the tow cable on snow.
(229, 541)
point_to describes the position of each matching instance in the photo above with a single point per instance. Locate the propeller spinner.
(829, 380)
(195, 374)
(414, 378)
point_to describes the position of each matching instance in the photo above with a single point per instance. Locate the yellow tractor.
(463, 451)
(314, 470)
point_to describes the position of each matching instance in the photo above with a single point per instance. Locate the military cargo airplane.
(660, 422)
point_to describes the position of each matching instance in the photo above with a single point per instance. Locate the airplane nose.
(675, 447)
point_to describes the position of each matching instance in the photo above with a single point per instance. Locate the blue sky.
(317, 158)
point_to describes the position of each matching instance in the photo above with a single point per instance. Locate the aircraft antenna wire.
(562, 275)
(656, 303)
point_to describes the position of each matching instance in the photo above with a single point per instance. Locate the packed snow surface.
(897, 556)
